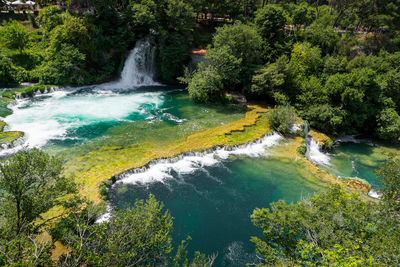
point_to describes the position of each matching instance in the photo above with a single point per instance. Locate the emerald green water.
(349, 159)
(76, 122)
(213, 204)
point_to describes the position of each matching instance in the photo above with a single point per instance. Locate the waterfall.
(308, 139)
(313, 152)
(161, 169)
(138, 69)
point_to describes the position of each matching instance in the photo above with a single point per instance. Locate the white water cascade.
(313, 152)
(138, 69)
(159, 170)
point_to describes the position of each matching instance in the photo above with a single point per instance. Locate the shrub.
(282, 118)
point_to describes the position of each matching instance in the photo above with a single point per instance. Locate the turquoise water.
(349, 159)
(213, 204)
(90, 118)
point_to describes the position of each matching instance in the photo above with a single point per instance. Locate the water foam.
(313, 152)
(160, 170)
(374, 194)
(316, 156)
(50, 118)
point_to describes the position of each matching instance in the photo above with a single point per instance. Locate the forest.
(333, 63)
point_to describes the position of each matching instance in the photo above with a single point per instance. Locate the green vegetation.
(88, 48)
(282, 118)
(337, 64)
(137, 236)
(333, 228)
(30, 184)
(28, 91)
(140, 236)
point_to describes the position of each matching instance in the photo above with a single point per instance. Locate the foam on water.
(160, 170)
(50, 118)
(316, 155)
(374, 194)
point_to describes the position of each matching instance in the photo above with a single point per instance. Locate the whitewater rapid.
(160, 170)
(57, 115)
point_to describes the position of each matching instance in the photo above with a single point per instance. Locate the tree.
(270, 22)
(14, 35)
(206, 86)
(140, 236)
(64, 66)
(303, 15)
(305, 60)
(270, 79)
(226, 65)
(30, 184)
(326, 229)
(49, 18)
(390, 178)
(243, 41)
(73, 31)
(6, 71)
(388, 127)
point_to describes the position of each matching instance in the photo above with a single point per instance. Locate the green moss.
(358, 183)
(325, 141)
(2, 125)
(8, 138)
(26, 91)
(4, 110)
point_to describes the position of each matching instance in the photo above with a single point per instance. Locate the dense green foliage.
(331, 229)
(14, 35)
(26, 180)
(90, 47)
(231, 62)
(31, 184)
(337, 64)
(282, 118)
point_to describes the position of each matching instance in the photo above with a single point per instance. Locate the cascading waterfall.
(161, 169)
(308, 139)
(313, 152)
(138, 69)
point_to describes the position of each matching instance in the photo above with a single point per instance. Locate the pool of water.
(213, 199)
(85, 119)
(359, 159)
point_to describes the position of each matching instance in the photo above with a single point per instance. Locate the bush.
(14, 35)
(206, 87)
(6, 71)
(282, 118)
